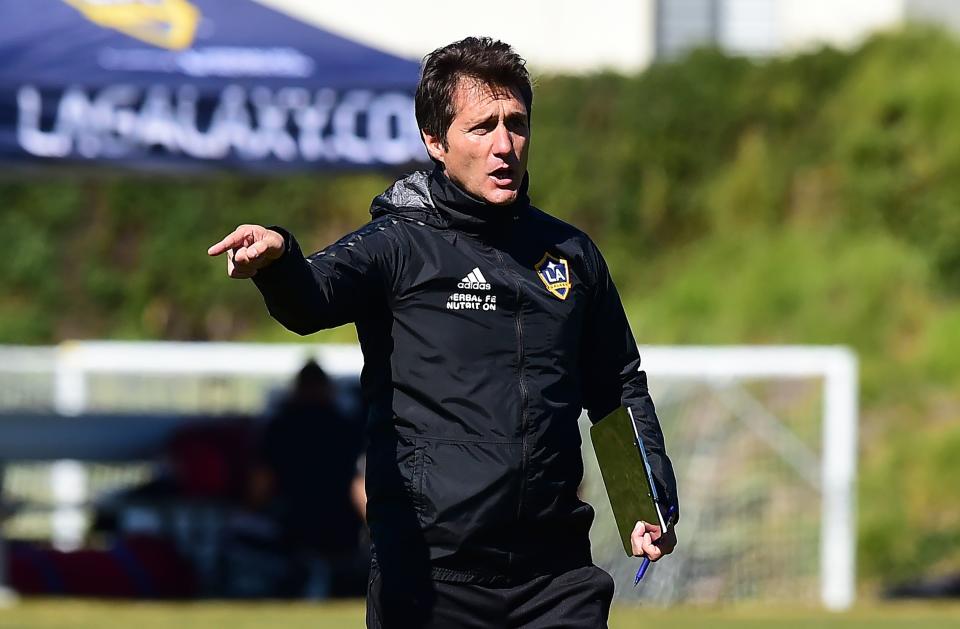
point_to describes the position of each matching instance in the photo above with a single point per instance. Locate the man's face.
(487, 142)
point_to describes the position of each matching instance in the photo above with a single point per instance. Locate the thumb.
(252, 251)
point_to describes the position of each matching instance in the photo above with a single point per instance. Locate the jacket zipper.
(523, 387)
(520, 356)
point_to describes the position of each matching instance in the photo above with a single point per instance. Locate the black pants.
(578, 598)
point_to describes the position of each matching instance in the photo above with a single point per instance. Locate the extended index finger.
(233, 240)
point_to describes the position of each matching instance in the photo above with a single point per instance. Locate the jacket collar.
(432, 198)
(466, 213)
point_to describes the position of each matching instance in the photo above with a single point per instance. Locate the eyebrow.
(513, 116)
(481, 120)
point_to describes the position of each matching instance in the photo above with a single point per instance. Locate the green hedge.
(811, 199)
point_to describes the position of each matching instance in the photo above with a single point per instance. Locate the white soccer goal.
(763, 440)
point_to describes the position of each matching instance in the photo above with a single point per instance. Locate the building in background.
(771, 27)
(572, 36)
(553, 35)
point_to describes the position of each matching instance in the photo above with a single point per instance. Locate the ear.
(434, 146)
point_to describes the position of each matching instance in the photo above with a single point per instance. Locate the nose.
(502, 142)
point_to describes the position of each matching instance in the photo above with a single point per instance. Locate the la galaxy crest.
(554, 272)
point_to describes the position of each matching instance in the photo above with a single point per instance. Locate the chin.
(501, 197)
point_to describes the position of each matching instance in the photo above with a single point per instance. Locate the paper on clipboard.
(626, 473)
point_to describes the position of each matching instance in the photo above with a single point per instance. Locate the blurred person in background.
(486, 326)
(306, 477)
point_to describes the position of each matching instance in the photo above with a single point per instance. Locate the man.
(486, 326)
(305, 480)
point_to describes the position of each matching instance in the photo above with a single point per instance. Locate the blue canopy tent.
(186, 85)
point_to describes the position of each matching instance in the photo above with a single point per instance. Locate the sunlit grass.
(60, 613)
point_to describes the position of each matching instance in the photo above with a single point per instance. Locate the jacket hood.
(432, 198)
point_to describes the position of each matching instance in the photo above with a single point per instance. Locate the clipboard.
(626, 474)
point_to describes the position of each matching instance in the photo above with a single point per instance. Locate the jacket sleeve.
(329, 288)
(611, 376)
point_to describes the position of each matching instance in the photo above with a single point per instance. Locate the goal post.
(810, 464)
(838, 368)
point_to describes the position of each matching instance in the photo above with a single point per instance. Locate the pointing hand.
(249, 248)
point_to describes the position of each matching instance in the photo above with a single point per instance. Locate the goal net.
(763, 441)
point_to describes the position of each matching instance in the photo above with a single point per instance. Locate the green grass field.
(58, 613)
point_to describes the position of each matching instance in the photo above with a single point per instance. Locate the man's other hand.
(248, 248)
(647, 541)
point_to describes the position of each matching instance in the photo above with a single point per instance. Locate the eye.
(517, 124)
(484, 127)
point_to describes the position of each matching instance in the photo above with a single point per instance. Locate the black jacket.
(485, 330)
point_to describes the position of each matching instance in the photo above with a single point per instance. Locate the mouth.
(502, 176)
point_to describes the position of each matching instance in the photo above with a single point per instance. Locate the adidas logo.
(474, 281)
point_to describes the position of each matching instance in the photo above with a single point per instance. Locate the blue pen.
(642, 570)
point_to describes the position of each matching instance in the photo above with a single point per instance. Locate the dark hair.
(487, 60)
